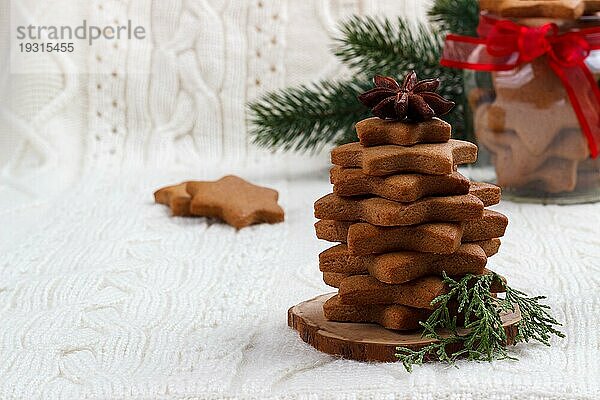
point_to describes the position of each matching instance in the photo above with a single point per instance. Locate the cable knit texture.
(104, 296)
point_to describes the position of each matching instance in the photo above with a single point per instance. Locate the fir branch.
(308, 117)
(376, 46)
(483, 337)
(456, 16)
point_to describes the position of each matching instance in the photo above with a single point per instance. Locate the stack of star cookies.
(403, 215)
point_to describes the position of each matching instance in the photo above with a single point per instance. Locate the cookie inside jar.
(524, 118)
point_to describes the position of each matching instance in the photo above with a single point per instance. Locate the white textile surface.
(104, 296)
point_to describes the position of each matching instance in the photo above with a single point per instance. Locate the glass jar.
(528, 133)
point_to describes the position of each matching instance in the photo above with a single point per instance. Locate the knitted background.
(104, 296)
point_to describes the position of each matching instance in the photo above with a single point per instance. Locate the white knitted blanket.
(104, 296)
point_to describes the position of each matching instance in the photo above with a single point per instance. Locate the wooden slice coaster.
(363, 342)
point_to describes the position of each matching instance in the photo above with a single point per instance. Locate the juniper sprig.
(482, 336)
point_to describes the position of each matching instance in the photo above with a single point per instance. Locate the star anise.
(415, 100)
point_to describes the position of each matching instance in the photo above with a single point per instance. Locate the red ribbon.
(503, 45)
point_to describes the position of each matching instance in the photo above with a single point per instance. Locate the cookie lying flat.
(490, 246)
(486, 192)
(365, 239)
(235, 201)
(491, 225)
(404, 266)
(176, 197)
(338, 259)
(564, 9)
(383, 212)
(404, 188)
(419, 293)
(365, 289)
(376, 131)
(430, 158)
(334, 279)
(394, 316)
(442, 238)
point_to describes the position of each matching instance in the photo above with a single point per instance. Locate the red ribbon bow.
(503, 45)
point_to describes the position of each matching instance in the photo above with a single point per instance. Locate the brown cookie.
(429, 158)
(486, 192)
(376, 131)
(555, 171)
(334, 279)
(176, 197)
(442, 238)
(235, 201)
(382, 212)
(591, 6)
(338, 259)
(419, 293)
(404, 266)
(555, 175)
(542, 88)
(404, 188)
(490, 246)
(393, 316)
(565, 9)
(491, 225)
(550, 125)
(365, 289)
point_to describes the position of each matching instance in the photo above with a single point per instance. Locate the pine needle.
(456, 16)
(378, 46)
(308, 117)
(483, 337)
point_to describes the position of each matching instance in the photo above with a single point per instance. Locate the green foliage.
(307, 117)
(481, 336)
(537, 323)
(375, 46)
(456, 16)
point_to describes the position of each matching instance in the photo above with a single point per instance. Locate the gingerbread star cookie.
(376, 131)
(382, 212)
(235, 201)
(442, 238)
(425, 158)
(176, 197)
(404, 188)
(392, 316)
(566, 9)
(404, 266)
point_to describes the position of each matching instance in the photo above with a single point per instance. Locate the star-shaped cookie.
(403, 266)
(426, 158)
(442, 238)
(404, 188)
(516, 167)
(419, 293)
(567, 9)
(235, 201)
(176, 197)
